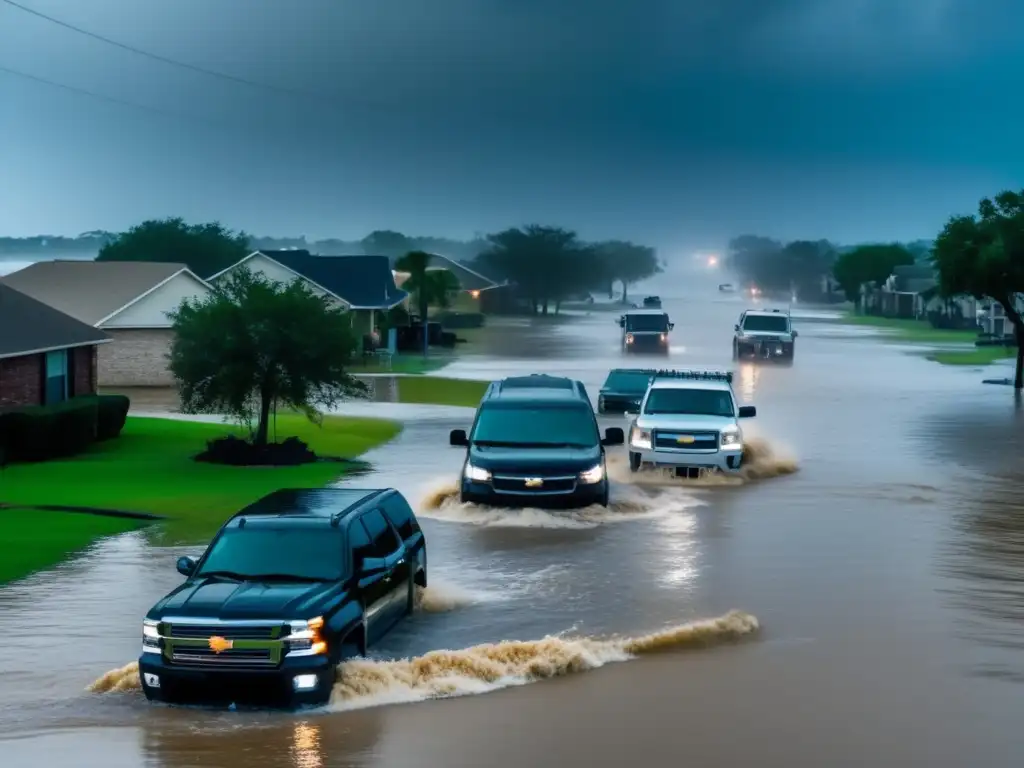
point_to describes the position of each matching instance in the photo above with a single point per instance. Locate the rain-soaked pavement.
(886, 575)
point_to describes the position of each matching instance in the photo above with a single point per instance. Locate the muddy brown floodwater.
(857, 601)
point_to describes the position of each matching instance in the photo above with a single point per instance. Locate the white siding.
(271, 270)
(151, 310)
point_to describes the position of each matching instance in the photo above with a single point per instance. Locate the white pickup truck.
(689, 421)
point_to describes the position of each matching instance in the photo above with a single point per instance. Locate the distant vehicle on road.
(289, 587)
(764, 334)
(624, 389)
(652, 302)
(727, 288)
(645, 330)
(535, 443)
(689, 421)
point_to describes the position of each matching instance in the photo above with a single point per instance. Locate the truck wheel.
(634, 462)
(735, 351)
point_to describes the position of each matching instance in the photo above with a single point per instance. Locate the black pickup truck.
(289, 587)
(623, 390)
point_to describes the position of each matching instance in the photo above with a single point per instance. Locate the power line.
(104, 97)
(156, 56)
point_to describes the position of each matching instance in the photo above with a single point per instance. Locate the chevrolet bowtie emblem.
(220, 644)
(534, 482)
(687, 439)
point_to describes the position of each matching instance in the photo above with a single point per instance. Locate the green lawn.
(977, 356)
(898, 329)
(37, 539)
(150, 469)
(437, 390)
(406, 363)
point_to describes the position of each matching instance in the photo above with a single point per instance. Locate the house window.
(56, 377)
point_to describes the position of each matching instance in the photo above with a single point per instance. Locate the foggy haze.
(667, 122)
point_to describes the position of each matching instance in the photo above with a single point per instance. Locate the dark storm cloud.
(455, 115)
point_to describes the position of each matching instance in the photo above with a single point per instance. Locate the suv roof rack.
(695, 375)
(535, 380)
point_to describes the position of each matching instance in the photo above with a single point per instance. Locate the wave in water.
(491, 666)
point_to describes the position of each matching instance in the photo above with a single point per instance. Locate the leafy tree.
(626, 263)
(781, 268)
(429, 287)
(548, 264)
(983, 256)
(386, 242)
(868, 264)
(255, 344)
(204, 248)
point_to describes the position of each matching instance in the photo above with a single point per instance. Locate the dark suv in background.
(535, 442)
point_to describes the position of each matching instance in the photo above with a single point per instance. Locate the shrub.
(46, 432)
(237, 452)
(113, 413)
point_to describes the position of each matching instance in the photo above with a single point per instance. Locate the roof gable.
(91, 291)
(363, 282)
(28, 326)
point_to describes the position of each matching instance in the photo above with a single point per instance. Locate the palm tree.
(428, 286)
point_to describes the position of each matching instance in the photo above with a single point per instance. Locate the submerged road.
(886, 575)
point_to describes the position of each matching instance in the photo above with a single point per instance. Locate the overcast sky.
(658, 120)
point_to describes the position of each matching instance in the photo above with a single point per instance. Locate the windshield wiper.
(503, 444)
(283, 577)
(222, 575)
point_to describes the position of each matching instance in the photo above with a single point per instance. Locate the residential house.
(363, 285)
(46, 356)
(128, 300)
(993, 320)
(484, 294)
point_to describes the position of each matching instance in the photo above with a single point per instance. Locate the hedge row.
(39, 433)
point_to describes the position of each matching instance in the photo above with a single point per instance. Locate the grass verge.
(436, 390)
(413, 364)
(978, 356)
(36, 539)
(150, 469)
(899, 329)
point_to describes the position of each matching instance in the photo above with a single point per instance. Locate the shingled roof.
(28, 326)
(362, 282)
(91, 291)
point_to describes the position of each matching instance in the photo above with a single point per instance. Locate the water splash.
(491, 666)
(761, 461)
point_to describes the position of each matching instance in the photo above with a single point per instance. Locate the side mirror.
(795, 334)
(621, 322)
(186, 566)
(614, 436)
(458, 437)
(747, 411)
(671, 326)
(736, 327)
(632, 407)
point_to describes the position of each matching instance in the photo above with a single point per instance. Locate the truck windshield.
(302, 553)
(627, 381)
(698, 402)
(533, 424)
(770, 323)
(647, 323)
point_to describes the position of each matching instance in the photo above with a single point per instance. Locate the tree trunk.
(544, 307)
(424, 309)
(263, 428)
(624, 289)
(558, 305)
(1010, 308)
(611, 289)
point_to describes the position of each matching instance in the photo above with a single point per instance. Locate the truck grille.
(677, 441)
(240, 658)
(522, 484)
(227, 631)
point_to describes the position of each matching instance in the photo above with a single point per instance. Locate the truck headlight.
(150, 636)
(305, 638)
(731, 438)
(629, 338)
(639, 438)
(476, 474)
(592, 475)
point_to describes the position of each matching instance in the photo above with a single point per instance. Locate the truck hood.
(545, 461)
(220, 599)
(684, 421)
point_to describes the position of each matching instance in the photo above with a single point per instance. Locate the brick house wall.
(137, 357)
(21, 381)
(84, 370)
